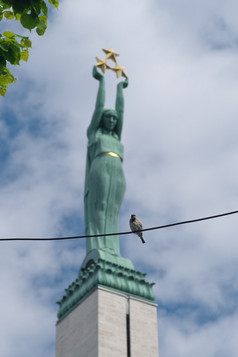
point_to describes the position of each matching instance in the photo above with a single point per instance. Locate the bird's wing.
(139, 224)
(131, 225)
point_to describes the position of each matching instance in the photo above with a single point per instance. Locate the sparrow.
(136, 225)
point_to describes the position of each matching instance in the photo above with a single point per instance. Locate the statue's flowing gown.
(104, 191)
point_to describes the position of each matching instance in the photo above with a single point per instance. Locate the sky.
(181, 150)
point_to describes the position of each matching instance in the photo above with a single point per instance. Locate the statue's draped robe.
(104, 190)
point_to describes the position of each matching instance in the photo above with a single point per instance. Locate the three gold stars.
(111, 55)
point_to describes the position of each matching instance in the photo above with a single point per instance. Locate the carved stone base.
(106, 274)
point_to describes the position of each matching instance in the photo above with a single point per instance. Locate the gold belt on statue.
(111, 154)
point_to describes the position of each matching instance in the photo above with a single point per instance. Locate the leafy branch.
(32, 14)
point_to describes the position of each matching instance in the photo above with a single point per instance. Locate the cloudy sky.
(181, 151)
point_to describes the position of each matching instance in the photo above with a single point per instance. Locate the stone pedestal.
(108, 311)
(108, 323)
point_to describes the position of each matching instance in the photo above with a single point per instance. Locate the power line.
(122, 233)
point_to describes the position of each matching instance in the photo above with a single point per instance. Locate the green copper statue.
(104, 190)
(104, 182)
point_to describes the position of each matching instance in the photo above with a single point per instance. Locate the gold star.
(102, 64)
(111, 54)
(120, 71)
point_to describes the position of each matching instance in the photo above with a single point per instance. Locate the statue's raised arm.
(120, 105)
(100, 102)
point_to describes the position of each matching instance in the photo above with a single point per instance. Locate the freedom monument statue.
(109, 310)
(104, 180)
(104, 190)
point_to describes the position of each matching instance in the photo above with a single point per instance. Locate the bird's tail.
(142, 239)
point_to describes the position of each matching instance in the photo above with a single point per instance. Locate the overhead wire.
(121, 233)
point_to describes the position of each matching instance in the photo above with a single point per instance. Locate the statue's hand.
(97, 75)
(125, 83)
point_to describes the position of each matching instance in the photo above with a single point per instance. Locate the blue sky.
(181, 151)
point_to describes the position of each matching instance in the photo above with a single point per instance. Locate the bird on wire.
(136, 225)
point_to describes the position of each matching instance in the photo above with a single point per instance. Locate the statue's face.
(109, 120)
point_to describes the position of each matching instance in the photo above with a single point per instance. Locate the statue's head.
(109, 119)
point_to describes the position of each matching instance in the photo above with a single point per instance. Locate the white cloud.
(215, 338)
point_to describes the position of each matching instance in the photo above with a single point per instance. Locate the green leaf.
(25, 42)
(29, 21)
(7, 77)
(40, 32)
(16, 44)
(9, 34)
(24, 55)
(42, 25)
(9, 15)
(36, 6)
(12, 54)
(3, 90)
(55, 3)
(44, 8)
(4, 46)
(3, 63)
(43, 20)
(6, 4)
(19, 6)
